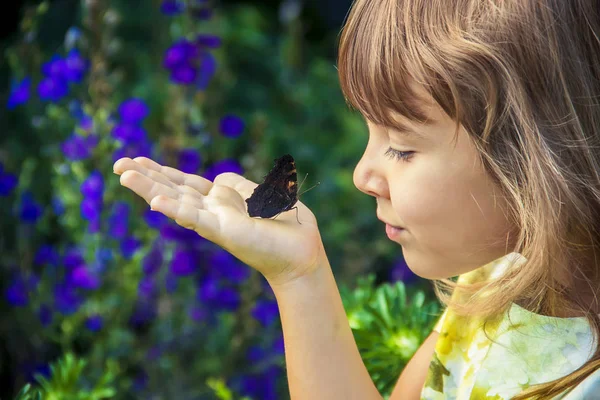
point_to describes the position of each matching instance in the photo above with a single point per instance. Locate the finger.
(146, 187)
(237, 182)
(127, 164)
(190, 196)
(120, 165)
(205, 223)
(199, 183)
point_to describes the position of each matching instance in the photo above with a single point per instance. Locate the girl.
(483, 118)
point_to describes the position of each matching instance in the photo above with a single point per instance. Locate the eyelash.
(399, 155)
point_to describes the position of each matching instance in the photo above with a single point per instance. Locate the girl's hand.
(281, 249)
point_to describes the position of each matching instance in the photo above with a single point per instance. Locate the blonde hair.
(523, 78)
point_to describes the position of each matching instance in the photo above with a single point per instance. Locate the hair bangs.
(374, 61)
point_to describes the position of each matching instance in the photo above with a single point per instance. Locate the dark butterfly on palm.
(278, 192)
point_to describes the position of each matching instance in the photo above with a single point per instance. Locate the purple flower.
(133, 111)
(72, 258)
(91, 208)
(172, 7)
(66, 301)
(231, 126)
(75, 66)
(401, 272)
(189, 64)
(182, 52)
(45, 315)
(173, 232)
(94, 323)
(226, 165)
(208, 67)
(279, 346)
(19, 93)
(255, 354)
(229, 299)
(58, 206)
(229, 267)
(29, 210)
(171, 283)
(261, 386)
(203, 13)
(140, 382)
(94, 225)
(153, 260)
(129, 133)
(199, 314)
(86, 123)
(133, 150)
(144, 312)
(155, 219)
(129, 246)
(183, 263)
(119, 220)
(154, 353)
(175, 56)
(81, 277)
(93, 186)
(77, 147)
(212, 294)
(31, 369)
(103, 256)
(208, 290)
(189, 161)
(184, 74)
(7, 183)
(17, 293)
(55, 68)
(76, 109)
(47, 255)
(52, 89)
(266, 312)
(210, 41)
(147, 288)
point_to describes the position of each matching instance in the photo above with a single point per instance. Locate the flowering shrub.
(91, 277)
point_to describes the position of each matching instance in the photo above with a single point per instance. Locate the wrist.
(306, 276)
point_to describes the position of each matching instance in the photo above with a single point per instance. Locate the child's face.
(453, 216)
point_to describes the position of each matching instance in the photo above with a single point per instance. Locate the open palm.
(281, 249)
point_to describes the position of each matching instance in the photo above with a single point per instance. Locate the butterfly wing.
(278, 192)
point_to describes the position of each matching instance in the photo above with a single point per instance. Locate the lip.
(392, 231)
(387, 223)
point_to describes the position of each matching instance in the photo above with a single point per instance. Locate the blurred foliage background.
(103, 298)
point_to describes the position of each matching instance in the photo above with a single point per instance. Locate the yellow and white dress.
(525, 349)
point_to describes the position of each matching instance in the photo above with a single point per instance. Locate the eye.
(399, 155)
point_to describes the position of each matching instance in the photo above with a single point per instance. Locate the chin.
(426, 272)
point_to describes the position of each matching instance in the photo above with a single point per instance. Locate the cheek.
(419, 199)
(449, 210)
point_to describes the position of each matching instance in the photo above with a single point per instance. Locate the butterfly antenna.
(317, 184)
(305, 176)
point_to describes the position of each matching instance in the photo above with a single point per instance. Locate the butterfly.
(278, 192)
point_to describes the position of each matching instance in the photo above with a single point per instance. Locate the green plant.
(389, 323)
(68, 381)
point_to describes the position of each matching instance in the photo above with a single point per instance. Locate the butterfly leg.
(296, 214)
(290, 210)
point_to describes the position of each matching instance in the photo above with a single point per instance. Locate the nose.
(369, 177)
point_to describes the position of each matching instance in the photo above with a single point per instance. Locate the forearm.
(321, 355)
